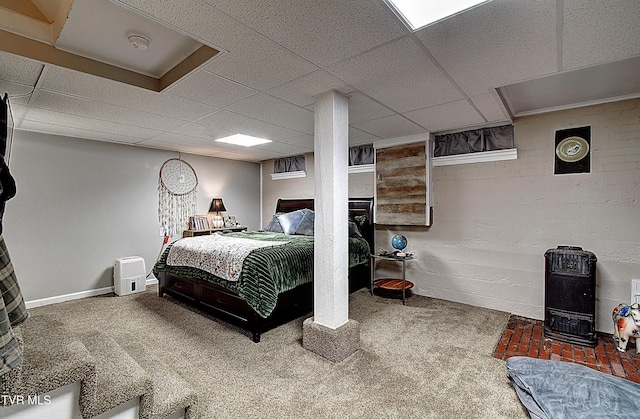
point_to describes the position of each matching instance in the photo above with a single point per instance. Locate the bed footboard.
(230, 307)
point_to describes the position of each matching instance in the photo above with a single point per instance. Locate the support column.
(329, 332)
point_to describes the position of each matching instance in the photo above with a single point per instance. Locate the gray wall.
(494, 221)
(81, 204)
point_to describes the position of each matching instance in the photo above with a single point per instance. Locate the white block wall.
(494, 221)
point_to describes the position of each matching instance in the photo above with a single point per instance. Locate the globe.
(399, 242)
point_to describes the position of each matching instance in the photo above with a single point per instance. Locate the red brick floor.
(525, 337)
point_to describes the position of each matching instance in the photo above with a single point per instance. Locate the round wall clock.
(572, 149)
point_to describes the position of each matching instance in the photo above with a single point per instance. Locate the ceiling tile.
(77, 132)
(600, 31)
(247, 57)
(447, 116)
(363, 108)
(108, 91)
(19, 70)
(258, 62)
(88, 124)
(18, 93)
(101, 111)
(302, 90)
(275, 111)
(490, 106)
(390, 127)
(283, 149)
(300, 140)
(206, 147)
(496, 43)
(398, 74)
(239, 124)
(198, 130)
(322, 31)
(358, 137)
(210, 89)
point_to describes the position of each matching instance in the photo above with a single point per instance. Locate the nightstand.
(194, 233)
(391, 284)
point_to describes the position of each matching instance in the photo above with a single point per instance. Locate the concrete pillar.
(330, 333)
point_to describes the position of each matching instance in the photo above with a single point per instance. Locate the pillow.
(290, 221)
(353, 230)
(305, 227)
(274, 225)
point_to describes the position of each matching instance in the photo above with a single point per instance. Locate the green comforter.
(269, 271)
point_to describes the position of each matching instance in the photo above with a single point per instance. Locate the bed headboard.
(357, 207)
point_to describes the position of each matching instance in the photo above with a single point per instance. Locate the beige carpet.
(431, 358)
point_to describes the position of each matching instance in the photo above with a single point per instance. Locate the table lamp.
(216, 206)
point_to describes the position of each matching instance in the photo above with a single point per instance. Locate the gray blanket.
(556, 389)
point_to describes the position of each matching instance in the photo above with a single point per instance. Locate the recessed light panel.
(244, 140)
(420, 13)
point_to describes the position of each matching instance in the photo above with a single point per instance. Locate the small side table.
(394, 284)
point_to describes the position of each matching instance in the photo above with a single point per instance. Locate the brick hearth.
(525, 337)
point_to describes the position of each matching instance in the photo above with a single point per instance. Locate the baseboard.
(76, 295)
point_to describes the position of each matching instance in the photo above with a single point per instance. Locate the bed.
(275, 284)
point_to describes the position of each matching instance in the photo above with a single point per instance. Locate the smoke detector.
(138, 41)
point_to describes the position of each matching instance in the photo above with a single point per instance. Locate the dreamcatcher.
(177, 196)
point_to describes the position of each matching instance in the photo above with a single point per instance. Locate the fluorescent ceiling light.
(245, 140)
(420, 13)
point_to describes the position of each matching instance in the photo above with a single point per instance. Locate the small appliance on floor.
(129, 275)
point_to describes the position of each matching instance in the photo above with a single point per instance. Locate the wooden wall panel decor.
(402, 185)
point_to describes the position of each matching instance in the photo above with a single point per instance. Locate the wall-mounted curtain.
(473, 141)
(289, 164)
(362, 154)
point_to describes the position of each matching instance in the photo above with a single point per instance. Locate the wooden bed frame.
(229, 306)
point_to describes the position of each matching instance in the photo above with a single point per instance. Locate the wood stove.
(570, 295)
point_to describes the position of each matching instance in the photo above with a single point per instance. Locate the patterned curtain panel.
(289, 164)
(473, 141)
(362, 154)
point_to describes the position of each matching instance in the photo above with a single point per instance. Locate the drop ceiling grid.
(237, 123)
(210, 89)
(300, 140)
(283, 148)
(275, 111)
(446, 116)
(302, 90)
(203, 147)
(390, 127)
(100, 111)
(331, 30)
(64, 81)
(358, 137)
(90, 124)
(18, 93)
(271, 65)
(18, 69)
(362, 108)
(600, 31)
(490, 105)
(75, 132)
(495, 44)
(197, 130)
(398, 74)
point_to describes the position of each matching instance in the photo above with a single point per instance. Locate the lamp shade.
(217, 205)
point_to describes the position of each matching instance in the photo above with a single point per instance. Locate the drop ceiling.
(215, 68)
